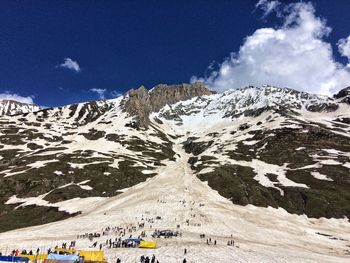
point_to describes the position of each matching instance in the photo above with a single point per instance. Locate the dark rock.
(343, 93)
(243, 127)
(196, 148)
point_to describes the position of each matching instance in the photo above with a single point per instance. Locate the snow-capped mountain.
(264, 146)
(11, 107)
(266, 164)
(283, 146)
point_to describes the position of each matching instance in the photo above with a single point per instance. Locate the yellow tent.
(95, 256)
(148, 244)
(34, 257)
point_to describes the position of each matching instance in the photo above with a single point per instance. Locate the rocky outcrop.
(343, 95)
(141, 102)
(162, 95)
(137, 104)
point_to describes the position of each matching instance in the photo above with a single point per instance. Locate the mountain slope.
(264, 146)
(86, 150)
(269, 147)
(176, 199)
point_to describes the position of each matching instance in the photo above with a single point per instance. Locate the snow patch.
(320, 176)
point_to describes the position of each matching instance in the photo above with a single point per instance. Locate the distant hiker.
(184, 261)
(147, 260)
(185, 251)
(118, 260)
(153, 260)
(215, 242)
(37, 251)
(101, 246)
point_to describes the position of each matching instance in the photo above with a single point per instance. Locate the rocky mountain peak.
(141, 102)
(140, 93)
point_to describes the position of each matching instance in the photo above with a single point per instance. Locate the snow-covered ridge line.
(250, 98)
(245, 98)
(11, 107)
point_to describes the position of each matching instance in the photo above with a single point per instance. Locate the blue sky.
(62, 52)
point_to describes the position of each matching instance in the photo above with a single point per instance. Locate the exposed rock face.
(137, 103)
(343, 93)
(11, 107)
(141, 102)
(163, 94)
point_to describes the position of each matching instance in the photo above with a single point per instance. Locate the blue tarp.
(13, 259)
(62, 257)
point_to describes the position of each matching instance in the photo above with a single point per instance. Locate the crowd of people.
(90, 236)
(130, 235)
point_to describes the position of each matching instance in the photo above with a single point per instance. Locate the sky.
(55, 53)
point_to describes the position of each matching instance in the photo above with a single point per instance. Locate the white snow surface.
(320, 176)
(176, 194)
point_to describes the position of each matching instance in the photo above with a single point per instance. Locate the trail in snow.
(177, 195)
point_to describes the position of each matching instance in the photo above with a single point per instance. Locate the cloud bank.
(70, 64)
(100, 92)
(295, 55)
(16, 97)
(115, 94)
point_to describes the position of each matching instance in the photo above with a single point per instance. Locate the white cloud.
(100, 93)
(267, 6)
(70, 64)
(294, 55)
(344, 47)
(13, 96)
(116, 94)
